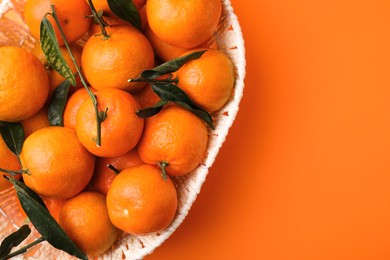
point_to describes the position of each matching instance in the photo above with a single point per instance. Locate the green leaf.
(172, 93)
(52, 51)
(198, 112)
(126, 10)
(57, 104)
(171, 66)
(151, 111)
(42, 220)
(14, 240)
(13, 136)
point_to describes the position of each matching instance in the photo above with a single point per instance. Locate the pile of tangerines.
(101, 191)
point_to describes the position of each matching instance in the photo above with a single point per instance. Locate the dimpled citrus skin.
(140, 201)
(109, 63)
(24, 84)
(85, 219)
(185, 24)
(174, 136)
(59, 166)
(72, 106)
(209, 80)
(120, 130)
(71, 15)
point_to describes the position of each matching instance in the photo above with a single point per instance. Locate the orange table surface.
(305, 170)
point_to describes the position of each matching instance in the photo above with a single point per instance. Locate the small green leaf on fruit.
(172, 93)
(57, 104)
(13, 136)
(151, 111)
(52, 51)
(172, 65)
(126, 10)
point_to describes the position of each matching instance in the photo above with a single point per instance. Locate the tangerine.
(140, 201)
(85, 219)
(109, 63)
(121, 128)
(209, 80)
(58, 165)
(184, 24)
(71, 15)
(24, 84)
(174, 138)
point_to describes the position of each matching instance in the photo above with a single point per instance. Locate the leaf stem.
(99, 20)
(113, 168)
(141, 79)
(24, 249)
(22, 171)
(99, 119)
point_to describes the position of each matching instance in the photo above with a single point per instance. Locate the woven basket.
(13, 31)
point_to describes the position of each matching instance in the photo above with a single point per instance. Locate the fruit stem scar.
(163, 166)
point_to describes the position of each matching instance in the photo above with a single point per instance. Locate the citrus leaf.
(126, 10)
(14, 240)
(52, 51)
(171, 66)
(13, 136)
(172, 93)
(42, 220)
(151, 111)
(57, 104)
(198, 112)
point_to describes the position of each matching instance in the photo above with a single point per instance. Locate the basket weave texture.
(229, 39)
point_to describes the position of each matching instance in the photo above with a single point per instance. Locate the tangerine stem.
(99, 119)
(24, 249)
(22, 171)
(112, 168)
(163, 166)
(98, 19)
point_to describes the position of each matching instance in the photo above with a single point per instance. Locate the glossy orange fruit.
(24, 84)
(140, 201)
(185, 24)
(109, 63)
(71, 14)
(59, 166)
(103, 176)
(85, 219)
(176, 138)
(121, 129)
(209, 80)
(72, 106)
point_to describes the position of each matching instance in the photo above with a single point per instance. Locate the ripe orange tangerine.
(59, 166)
(174, 138)
(120, 130)
(140, 201)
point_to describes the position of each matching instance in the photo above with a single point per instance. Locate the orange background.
(305, 170)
